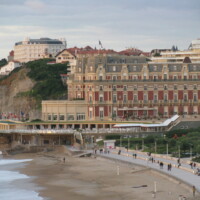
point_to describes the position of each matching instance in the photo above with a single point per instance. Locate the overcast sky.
(144, 24)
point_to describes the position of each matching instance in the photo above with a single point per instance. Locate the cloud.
(35, 4)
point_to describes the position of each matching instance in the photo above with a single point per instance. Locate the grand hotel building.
(107, 86)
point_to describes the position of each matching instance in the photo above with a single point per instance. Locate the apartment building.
(34, 49)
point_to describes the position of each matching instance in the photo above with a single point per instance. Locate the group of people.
(193, 165)
(106, 151)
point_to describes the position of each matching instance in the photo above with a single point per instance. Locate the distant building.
(34, 49)
(11, 56)
(6, 69)
(165, 56)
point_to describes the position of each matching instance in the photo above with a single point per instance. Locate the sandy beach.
(96, 178)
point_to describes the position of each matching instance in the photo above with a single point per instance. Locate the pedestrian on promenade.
(161, 165)
(64, 160)
(119, 152)
(193, 190)
(170, 167)
(191, 165)
(135, 155)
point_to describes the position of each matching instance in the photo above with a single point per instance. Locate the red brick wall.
(130, 95)
(119, 95)
(190, 94)
(150, 95)
(170, 95)
(105, 96)
(180, 94)
(160, 95)
(105, 111)
(161, 110)
(140, 95)
(97, 111)
(96, 96)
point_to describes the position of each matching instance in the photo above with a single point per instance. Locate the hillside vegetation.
(48, 83)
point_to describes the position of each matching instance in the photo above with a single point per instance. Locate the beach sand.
(96, 178)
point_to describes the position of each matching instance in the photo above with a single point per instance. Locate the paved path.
(184, 173)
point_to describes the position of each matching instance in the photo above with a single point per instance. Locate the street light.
(143, 144)
(155, 146)
(167, 148)
(128, 144)
(120, 142)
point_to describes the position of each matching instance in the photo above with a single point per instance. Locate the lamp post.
(128, 144)
(143, 144)
(167, 148)
(155, 146)
(179, 150)
(191, 151)
(120, 142)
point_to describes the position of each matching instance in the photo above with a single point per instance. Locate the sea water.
(14, 185)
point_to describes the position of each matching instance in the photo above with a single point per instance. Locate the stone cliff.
(11, 102)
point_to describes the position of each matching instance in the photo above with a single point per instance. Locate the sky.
(118, 24)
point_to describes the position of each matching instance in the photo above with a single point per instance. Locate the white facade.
(6, 69)
(34, 49)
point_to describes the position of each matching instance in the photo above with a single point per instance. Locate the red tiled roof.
(100, 51)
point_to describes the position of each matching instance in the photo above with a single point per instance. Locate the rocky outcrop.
(10, 100)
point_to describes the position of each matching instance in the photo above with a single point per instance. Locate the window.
(91, 68)
(185, 97)
(80, 116)
(165, 97)
(145, 87)
(100, 78)
(79, 69)
(175, 98)
(114, 98)
(194, 67)
(114, 68)
(154, 68)
(90, 114)
(165, 76)
(90, 98)
(125, 98)
(101, 114)
(145, 98)
(135, 87)
(114, 87)
(175, 87)
(101, 98)
(135, 98)
(195, 87)
(134, 68)
(49, 117)
(195, 97)
(165, 87)
(125, 87)
(155, 98)
(61, 117)
(175, 77)
(101, 87)
(155, 87)
(70, 117)
(185, 87)
(114, 78)
(55, 117)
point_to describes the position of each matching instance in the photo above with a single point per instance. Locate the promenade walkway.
(184, 173)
